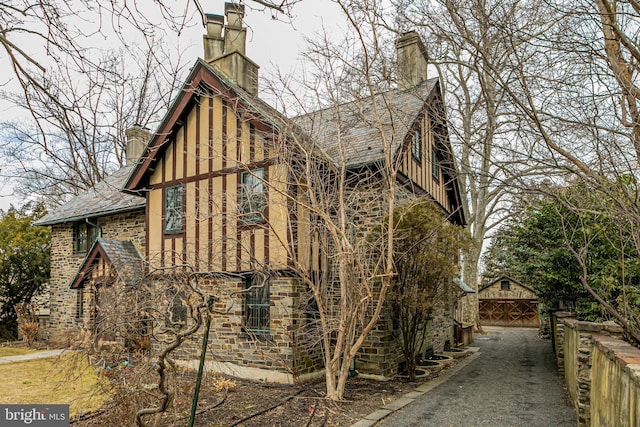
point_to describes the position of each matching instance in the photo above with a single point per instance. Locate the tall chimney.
(213, 41)
(412, 61)
(137, 139)
(235, 36)
(228, 52)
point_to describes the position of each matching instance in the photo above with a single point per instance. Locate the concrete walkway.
(30, 356)
(511, 381)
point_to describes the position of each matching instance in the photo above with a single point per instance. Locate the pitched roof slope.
(104, 198)
(203, 73)
(123, 256)
(352, 132)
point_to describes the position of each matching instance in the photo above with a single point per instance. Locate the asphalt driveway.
(513, 382)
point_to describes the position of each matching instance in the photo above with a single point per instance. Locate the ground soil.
(250, 404)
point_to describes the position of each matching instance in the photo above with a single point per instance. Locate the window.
(252, 196)
(504, 285)
(84, 235)
(435, 164)
(79, 304)
(173, 208)
(257, 304)
(416, 145)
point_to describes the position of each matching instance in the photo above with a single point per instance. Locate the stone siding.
(234, 351)
(64, 324)
(381, 353)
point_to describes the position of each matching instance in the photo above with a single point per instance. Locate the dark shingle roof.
(125, 259)
(354, 130)
(104, 198)
(123, 256)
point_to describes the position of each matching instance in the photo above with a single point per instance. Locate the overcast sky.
(271, 43)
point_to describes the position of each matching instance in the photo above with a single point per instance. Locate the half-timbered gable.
(212, 182)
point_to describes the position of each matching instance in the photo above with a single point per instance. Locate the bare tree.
(337, 195)
(73, 144)
(472, 53)
(580, 99)
(78, 115)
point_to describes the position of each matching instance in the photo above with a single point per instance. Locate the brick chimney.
(137, 139)
(412, 61)
(227, 51)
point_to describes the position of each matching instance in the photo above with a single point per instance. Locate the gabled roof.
(354, 130)
(105, 198)
(351, 131)
(205, 76)
(499, 279)
(123, 256)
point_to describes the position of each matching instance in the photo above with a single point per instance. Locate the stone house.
(211, 194)
(101, 212)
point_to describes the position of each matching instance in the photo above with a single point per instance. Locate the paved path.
(512, 382)
(29, 356)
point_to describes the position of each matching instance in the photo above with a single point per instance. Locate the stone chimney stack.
(213, 41)
(228, 52)
(412, 61)
(235, 36)
(137, 139)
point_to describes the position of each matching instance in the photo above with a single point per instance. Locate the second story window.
(435, 165)
(416, 145)
(84, 236)
(505, 285)
(253, 200)
(173, 208)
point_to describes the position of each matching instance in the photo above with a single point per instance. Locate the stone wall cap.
(561, 314)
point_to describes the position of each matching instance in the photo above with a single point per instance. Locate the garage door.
(509, 312)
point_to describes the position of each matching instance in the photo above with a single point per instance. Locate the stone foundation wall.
(381, 353)
(235, 351)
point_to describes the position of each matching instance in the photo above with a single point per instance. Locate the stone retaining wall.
(587, 354)
(615, 383)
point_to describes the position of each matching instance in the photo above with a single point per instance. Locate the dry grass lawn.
(14, 351)
(67, 379)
